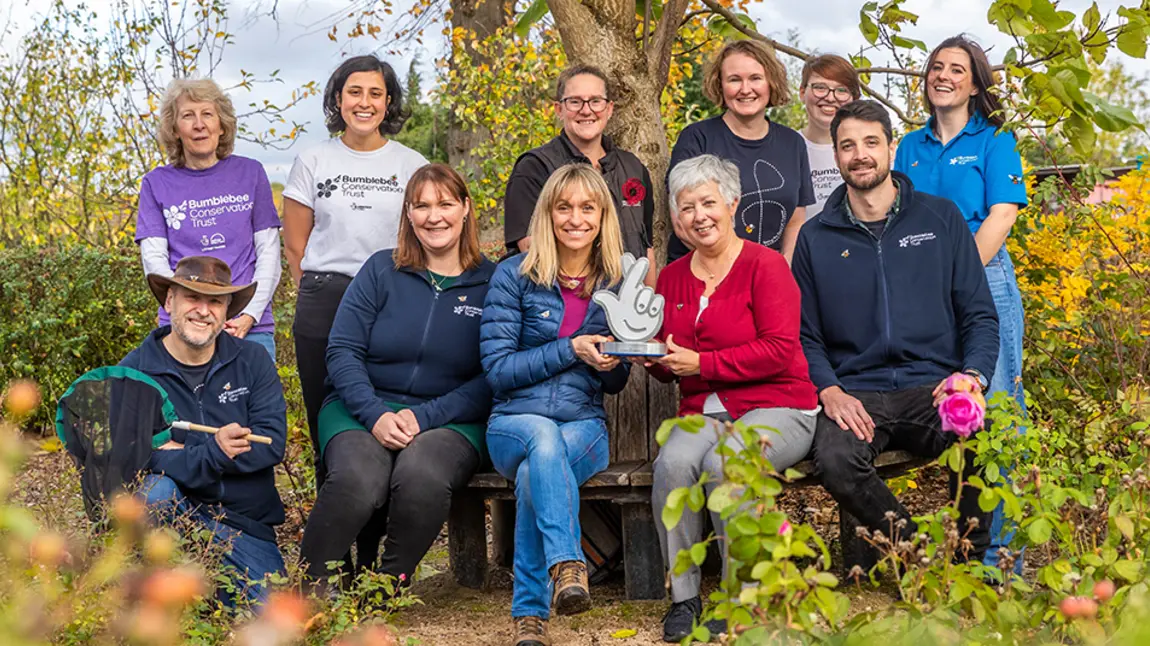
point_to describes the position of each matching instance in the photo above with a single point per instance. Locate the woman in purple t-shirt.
(207, 201)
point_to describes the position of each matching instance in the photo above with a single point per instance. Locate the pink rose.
(785, 528)
(961, 414)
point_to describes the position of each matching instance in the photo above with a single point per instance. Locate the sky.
(295, 42)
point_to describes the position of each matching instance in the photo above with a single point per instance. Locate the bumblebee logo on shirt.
(356, 186)
(325, 188)
(174, 215)
(916, 239)
(232, 395)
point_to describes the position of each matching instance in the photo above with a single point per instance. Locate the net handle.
(189, 426)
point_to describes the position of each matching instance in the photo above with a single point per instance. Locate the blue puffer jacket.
(530, 369)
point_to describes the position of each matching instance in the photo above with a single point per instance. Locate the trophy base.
(625, 349)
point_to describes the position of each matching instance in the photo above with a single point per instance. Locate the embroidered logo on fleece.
(962, 160)
(232, 395)
(916, 239)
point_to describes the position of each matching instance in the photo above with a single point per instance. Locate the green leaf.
(1039, 531)
(1081, 134)
(1092, 18)
(722, 28)
(1044, 13)
(1131, 40)
(699, 553)
(673, 510)
(1125, 525)
(826, 579)
(1128, 569)
(908, 43)
(1110, 117)
(722, 497)
(697, 498)
(528, 18)
(988, 499)
(868, 28)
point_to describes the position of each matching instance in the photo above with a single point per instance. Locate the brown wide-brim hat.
(204, 275)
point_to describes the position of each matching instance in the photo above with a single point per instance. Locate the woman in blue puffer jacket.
(539, 347)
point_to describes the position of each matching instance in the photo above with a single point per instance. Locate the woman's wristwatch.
(977, 376)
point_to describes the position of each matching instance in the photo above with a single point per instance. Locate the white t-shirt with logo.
(357, 199)
(825, 176)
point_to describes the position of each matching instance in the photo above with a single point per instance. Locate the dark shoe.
(531, 631)
(571, 594)
(717, 627)
(681, 618)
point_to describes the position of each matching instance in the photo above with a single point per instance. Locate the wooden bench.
(634, 415)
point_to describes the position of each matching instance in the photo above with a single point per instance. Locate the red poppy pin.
(634, 192)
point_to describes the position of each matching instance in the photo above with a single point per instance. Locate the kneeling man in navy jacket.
(222, 481)
(894, 301)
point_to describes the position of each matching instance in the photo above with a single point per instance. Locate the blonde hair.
(409, 250)
(764, 55)
(195, 90)
(542, 262)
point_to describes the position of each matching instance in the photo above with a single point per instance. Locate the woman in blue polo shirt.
(962, 155)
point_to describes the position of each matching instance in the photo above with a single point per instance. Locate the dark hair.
(578, 70)
(980, 70)
(865, 110)
(392, 119)
(835, 68)
(408, 250)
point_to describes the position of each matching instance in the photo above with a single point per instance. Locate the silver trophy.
(634, 315)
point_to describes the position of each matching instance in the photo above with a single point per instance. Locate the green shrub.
(67, 310)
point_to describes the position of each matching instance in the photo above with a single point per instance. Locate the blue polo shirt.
(977, 169)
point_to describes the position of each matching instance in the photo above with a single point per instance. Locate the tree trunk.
(482, 18)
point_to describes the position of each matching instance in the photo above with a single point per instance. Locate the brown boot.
(531, 631)
(571, 594)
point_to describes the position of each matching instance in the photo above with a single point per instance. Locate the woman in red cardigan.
(731, 326)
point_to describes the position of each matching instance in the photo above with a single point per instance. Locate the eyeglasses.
(821, 90)
(575, 104)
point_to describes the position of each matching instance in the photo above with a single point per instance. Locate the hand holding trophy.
(634, 315)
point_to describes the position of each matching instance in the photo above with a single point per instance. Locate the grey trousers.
(684, 458)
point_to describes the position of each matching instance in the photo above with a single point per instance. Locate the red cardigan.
(747, 338)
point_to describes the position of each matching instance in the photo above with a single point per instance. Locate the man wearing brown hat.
(223, 481)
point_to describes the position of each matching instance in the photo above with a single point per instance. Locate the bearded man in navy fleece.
(894, 301)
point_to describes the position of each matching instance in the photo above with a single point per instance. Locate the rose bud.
(1104, 590)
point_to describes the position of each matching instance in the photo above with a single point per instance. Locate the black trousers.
(315, 307)
(411, 489)
(904, 420)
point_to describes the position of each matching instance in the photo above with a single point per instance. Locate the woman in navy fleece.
(404, 426)
(548, 429)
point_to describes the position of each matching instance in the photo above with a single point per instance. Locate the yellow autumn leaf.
(625, 633)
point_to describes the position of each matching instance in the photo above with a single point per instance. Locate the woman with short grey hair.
(731, 326)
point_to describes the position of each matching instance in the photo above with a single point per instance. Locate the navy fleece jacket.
(397, 339)
(242, 386)
(903, 310)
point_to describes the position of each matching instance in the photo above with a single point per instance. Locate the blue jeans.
(1007, 376)
(266, 339)
(252, 558)
(548, 461)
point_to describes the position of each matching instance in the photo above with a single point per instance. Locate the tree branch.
(751, 33)
(659, 56)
